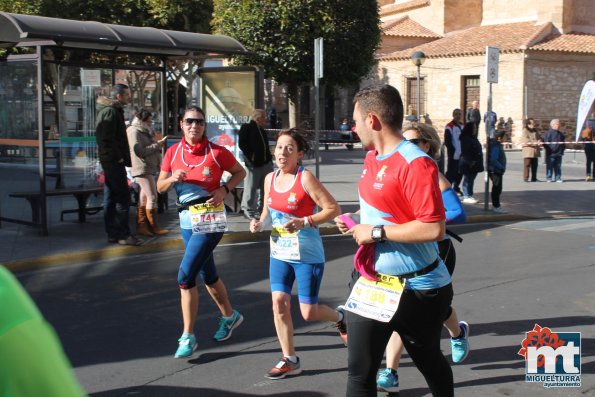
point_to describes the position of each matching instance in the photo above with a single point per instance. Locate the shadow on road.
(160, 391)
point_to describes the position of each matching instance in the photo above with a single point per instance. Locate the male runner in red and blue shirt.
(402, 215)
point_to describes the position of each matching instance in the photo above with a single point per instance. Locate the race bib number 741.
(207, 218)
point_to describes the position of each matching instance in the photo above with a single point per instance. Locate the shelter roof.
(29, 30)
(406, 27)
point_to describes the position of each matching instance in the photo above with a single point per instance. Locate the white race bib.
(284, 245)
(207, 218)
(377, 300)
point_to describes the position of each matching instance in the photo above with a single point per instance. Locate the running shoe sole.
(281, 376)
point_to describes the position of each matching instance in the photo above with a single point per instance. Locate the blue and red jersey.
(204, 164)
(397, 188)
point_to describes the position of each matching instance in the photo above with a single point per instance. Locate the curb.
(177, 243)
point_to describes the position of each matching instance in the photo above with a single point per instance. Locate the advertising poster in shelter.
(228, 96)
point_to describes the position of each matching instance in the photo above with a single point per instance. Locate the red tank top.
(294, 201)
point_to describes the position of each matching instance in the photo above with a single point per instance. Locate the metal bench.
(34, 198)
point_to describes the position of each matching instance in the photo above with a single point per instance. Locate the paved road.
(119, 318)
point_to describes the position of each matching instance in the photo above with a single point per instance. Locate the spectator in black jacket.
(114, 156)
(254, 144)
(471, 162)
(553, 141)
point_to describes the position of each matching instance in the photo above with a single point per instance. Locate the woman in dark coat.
(471, 161)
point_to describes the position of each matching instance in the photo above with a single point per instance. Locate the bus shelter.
(48, 154)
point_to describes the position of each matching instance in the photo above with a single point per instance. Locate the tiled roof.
(507, 37)
(570, 42)
(397, 8)
(406, 27)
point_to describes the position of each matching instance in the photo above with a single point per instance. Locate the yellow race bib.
(377, 300)
(207, 218)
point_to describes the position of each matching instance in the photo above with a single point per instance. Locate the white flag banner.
(584, 104)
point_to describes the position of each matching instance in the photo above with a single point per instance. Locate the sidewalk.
(23, 247)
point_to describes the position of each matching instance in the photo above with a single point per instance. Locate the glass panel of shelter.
(71, 135)
(70, 146)
(19, 161)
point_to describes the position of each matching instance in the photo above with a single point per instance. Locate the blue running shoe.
(227, 325)
(388, 380)
(460, 345)
(187, 345)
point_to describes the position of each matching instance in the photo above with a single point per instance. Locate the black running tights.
(419, 323)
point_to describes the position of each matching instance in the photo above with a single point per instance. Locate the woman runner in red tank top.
(291, 195)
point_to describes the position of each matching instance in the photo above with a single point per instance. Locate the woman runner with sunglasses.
(194, 167)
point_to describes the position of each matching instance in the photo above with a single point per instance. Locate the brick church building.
(547, 53)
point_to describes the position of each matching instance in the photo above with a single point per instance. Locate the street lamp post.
(418, 58)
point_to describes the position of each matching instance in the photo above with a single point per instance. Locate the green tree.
(20, 6)
(184, 15)
(122, 12)
(281, 35)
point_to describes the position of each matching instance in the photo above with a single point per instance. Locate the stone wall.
(443, 16)
(432, 16)
(508, 11)
(580, 16)
(566, 15)
(556, 81)
(462, 14)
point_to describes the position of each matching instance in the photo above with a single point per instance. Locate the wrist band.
(310, 221)
(226, 188)
(306, 222)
